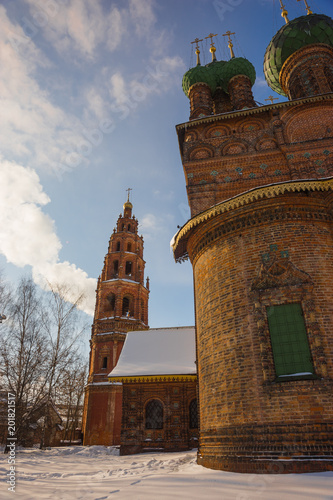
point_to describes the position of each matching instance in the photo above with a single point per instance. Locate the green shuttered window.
(289, 340)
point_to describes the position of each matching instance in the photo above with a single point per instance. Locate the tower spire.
(284, 12)
(230, 44)
(197, 51)
(308, 10)
(212, 49)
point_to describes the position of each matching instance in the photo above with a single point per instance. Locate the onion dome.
(216, 70)
(127, 204)
(235, 67)
(305, 30)
(198, 74)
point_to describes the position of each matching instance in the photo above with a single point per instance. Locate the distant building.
(157, 371)
(141, 392)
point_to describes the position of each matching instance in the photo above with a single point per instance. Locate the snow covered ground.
(98, 473)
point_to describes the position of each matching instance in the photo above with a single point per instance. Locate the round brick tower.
(260, 189)
(121, 306)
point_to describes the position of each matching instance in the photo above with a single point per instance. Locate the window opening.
(129, 247)
(105, 362)
(112, 301)
(118, 246)
(128, 268)
(193, 410)
(115, 267)
(290, 346)
(154, 415)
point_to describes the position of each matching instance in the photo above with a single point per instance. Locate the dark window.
(128, 268)
(193, 414)
(289, 340)
(115, 267)
(118, 246)
(129, 247)
(112, 301)
(154, 415)
(129, 227)
(142, 311)
(105, 362)
(126, 305)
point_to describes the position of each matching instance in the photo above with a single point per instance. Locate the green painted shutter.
(289, 339)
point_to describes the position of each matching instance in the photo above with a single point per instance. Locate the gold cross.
(308, 10)
(272, 99)
(230, 45)
(128, 192)
(197, 40)
(212, 49)
(197, 51)
(211, 39)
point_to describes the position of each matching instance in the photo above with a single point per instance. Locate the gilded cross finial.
(212, 49)
(284, 12)
(230, 44)
(308, 10)
(128, 192)
(272, 99)
(197, 51)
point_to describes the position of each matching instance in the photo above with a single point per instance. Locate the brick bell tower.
(259, 182)
(121, 306)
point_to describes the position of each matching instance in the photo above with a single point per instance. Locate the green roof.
(218, 73)
(302, 31)
(237, 66)
(198, 74)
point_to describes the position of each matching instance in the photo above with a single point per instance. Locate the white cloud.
(27, 234)
(79, 26)
(141, 12)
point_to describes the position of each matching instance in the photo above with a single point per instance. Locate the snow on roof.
(158, 351)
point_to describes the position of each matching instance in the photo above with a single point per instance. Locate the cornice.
(265, 192)
(153, 378)
(252, 111)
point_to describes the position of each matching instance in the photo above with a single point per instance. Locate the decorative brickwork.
(175, 432)
(240, 90)
(260, 239)
(308, 72)
(201, 100)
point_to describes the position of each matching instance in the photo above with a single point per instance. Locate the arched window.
(129, 247)
(128, 306)
(118, 246)
(105, 362)
(112, 301)
(129, 227)
(128, 268)
(142, 310)
(154, 415)
(193, 410)
(115, 267)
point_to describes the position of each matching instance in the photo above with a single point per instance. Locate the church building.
(259, 182)
(142, 387)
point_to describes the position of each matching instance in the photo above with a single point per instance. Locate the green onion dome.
(216, 70)
(198, 74)
(302, 31)
(234, 67)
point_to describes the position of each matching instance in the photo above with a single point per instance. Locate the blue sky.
(90, 93)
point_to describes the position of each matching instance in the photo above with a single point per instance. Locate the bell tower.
(121, 306)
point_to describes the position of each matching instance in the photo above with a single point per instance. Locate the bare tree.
(38, 347)
(24, 354)
(63, 330)
(71, 398)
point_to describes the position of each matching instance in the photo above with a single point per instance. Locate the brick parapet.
(233, 153)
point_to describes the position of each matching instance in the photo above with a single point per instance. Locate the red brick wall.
(243, 412)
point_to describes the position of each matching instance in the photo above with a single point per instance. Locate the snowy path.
(96, 473)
